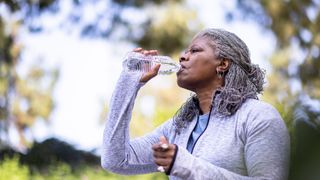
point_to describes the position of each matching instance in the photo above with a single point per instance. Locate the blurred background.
(60, 60)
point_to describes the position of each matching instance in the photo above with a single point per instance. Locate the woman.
(222, 132)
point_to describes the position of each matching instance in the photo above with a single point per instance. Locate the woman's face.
(198, 66)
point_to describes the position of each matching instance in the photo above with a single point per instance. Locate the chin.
(180, 84)
(184, 84)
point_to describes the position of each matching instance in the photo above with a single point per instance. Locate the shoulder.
(256, 113)
(257, 107)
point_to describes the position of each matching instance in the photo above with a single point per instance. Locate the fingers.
(139, 49)
(162, 162)
(146, 52)
(163, 145)
(159, 151)
(151, 52)
(163, 157)
(163, 153)
(164, 142)
(150, 74)
(154, 70)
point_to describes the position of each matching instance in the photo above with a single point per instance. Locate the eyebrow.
(195, 45)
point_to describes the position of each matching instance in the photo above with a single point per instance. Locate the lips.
(183, 67)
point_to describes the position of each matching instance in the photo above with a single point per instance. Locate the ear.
(224, 65)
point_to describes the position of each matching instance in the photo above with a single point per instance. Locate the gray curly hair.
(243, 79)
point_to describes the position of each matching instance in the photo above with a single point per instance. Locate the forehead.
(202, 41)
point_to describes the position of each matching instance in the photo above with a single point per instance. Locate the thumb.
(164, 142)
(150, 74)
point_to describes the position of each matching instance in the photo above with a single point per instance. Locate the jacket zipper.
(194, 144)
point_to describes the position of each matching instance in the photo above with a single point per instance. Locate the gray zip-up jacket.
(251, 144)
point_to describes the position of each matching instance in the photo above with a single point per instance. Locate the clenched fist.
(164, 155)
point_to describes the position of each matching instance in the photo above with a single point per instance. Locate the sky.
(89, 69)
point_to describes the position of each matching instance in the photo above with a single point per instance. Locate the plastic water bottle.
(139, 62)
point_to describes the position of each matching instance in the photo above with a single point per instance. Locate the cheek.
(187, 80)
(195, 77)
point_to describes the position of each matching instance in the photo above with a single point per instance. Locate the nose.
(183, 57)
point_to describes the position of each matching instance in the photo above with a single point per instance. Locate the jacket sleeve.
(266, 153)
(119, 154)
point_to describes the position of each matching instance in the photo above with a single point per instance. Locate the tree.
(23, 99)
(150, 31)
(295, 24)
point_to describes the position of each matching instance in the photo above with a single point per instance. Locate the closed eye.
(194, 50)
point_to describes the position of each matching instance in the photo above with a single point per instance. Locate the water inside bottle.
(139, 62)
(168, 66)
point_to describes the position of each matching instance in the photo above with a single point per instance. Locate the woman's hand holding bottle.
(154, 70)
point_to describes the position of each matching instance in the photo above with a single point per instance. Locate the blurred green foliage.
(169, 35)
(55, 159)
(295, 25)
(24, 98)
(11, 169)
(28, 97)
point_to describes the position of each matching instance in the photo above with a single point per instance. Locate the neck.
(205, 98)
(205, 95)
